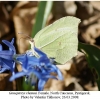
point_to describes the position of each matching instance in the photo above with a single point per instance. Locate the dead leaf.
(5, 84)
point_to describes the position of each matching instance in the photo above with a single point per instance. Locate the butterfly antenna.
(26, 37)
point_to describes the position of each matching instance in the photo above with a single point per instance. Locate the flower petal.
(12, 41)
(17, 75)
(44, 60)
(7, 62)
(9, 45)
(6, 54)
(6, 65)
(0, 47)
(23, 59)
(13, 68)
(3, 69)
(56, 70)
(33, 60)
(40, 52)
(41, 75)
(41, 84)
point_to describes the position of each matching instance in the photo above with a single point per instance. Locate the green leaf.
(93, 57)
(59, 40)
(44, 9)
(47, 12)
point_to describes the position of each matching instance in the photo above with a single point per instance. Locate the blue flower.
(34, 68)
(6, 57)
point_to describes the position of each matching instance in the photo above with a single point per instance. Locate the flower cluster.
(36, 66)
(6, 57)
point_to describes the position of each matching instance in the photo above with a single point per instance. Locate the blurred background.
(19, 17)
